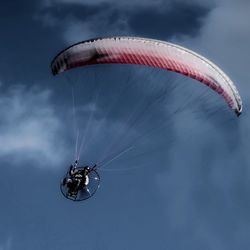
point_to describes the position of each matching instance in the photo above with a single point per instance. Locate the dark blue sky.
(186, 180)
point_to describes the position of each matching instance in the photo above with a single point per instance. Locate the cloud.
(209, 162)
(225, 41)
(30, 130)
(6, 245)
(177, 18)
(206, 175)
(49, 3)
(79, 20)
(131, 3)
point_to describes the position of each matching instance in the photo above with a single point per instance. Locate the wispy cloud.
(224, 40)
(7, 245)
(29, 128)
(79, 20)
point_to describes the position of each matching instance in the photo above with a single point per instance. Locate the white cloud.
(225, 39)
(75, 29)
(29, 128)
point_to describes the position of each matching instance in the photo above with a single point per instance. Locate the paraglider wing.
(132, 50)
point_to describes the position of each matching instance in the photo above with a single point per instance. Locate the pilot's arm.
(72, 171)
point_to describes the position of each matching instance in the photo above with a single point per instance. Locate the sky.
(183, 180)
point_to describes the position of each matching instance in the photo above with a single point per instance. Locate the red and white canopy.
(160, 54)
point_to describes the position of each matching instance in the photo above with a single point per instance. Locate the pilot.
(78, 179)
